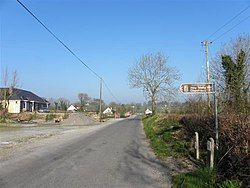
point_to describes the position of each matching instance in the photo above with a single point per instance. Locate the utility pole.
(206, 44)
(1, 47)
(100, 103)
(216, 119)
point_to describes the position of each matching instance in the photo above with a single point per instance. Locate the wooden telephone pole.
(100, 102)
(206, 44)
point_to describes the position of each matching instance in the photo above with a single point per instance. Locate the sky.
(109, 35)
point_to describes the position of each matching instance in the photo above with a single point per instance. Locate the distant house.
(71, 108)
(148, 112)
(19, 100)
(108, 111)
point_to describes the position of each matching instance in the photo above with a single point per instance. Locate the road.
(117, 155)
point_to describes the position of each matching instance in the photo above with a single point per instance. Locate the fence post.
(196, 145)
(210, 148)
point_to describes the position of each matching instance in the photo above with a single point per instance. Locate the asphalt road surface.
(115, 156)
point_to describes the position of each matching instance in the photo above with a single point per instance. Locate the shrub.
(2, 119)
(65, 115)
(234, 138)
(50, 117)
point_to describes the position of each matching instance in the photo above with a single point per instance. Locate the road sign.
(197, 88)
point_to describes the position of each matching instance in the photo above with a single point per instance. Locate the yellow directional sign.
(197, 88)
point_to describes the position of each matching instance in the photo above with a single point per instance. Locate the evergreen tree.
(236, 89)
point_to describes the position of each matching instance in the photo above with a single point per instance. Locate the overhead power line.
(229, 21)
(57, 38)
(105, 84)
(231, 28)
(68, 48)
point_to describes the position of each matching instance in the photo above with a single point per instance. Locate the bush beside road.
(172, 136)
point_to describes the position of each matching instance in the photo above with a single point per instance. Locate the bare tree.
(63, 103)
(5, 77)
(154, 76)
(4, 92)
(9, 82)
(14, 79)
(84, 98)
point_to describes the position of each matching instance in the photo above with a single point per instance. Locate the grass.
(166, 139)
(230, 184)
(159, 146)
(203, 177)
(162, 136)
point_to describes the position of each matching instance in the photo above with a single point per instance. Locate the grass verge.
(164, 137)
(167, 138)
(202, 177)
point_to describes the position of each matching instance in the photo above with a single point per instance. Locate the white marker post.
(210, 148)
(196, 146)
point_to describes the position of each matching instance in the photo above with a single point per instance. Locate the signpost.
(202, 88)
(197, 88)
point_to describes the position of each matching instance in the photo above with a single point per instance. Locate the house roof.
(71, 108)
(108, 111)
(148, 111)
(20, 94)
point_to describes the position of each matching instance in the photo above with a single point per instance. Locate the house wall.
(14, 106)
(18, 106)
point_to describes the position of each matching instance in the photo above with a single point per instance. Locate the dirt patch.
(179, 165)
(8, 147)
(78, 119)
(17, 143)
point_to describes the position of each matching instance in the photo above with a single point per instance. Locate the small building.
(108, 111)
(19, 100)
(71, 108)
(148, 112)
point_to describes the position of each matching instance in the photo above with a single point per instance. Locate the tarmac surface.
(112, 155)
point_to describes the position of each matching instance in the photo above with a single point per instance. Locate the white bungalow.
(148, 112)
(19, 100)
(71, 108)
(108, 111)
